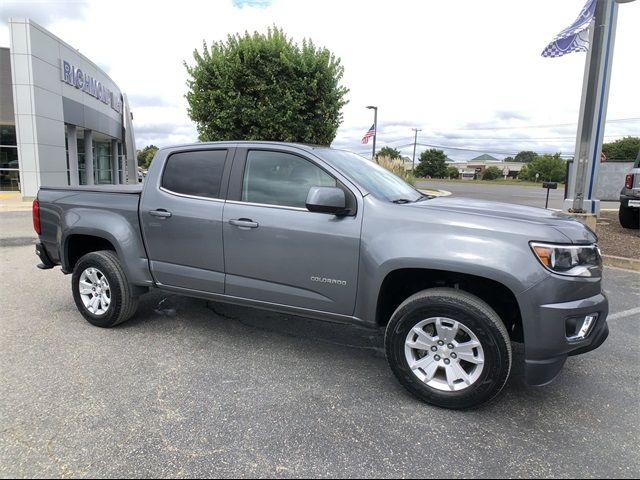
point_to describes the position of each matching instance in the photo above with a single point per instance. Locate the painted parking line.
(624, 314)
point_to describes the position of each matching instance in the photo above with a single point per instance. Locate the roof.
(303, 146)
(484, 158)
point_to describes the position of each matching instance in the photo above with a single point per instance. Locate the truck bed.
(69, 216)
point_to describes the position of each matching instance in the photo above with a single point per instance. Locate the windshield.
(380, 182)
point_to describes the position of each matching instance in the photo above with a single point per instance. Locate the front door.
(277, 251)
(181, 220)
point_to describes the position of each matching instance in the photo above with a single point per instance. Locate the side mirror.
(327, 200)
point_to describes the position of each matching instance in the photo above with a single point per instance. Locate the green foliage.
(453, 172)
(550, 167)
(622, 150)
(492, 173)
(433, 163)
(396, 166)
(388, 152)
(509, 159)
(146, 155)
(525, 157)
(265, 87)
(523, 174)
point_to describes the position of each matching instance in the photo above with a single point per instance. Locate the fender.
(114, 228)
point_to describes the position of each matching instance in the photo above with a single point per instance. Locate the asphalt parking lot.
(189, 389)
(523, 195)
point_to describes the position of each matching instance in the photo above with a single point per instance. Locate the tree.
(549, 167)
(146, 155)
(453, 172)
(433, 163)
(525, 157)
(622, 150)
(523, 174)
(265, 87)
(492, 173)
(389, 152)
(508, 159)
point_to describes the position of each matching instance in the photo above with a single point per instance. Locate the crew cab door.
(181, 218)
(276, 251)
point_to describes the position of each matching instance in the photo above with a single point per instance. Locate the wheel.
(629, 217)
(101, 291)
(448, 348)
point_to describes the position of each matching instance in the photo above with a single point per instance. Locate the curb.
(15, 208)
(434, 192)
(621, 262)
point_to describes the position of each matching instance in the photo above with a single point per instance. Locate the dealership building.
(63, 121)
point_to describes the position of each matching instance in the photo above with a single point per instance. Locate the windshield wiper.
(401, 200)
(425, 197)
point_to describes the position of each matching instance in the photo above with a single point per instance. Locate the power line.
(615, 120)
(484, 150)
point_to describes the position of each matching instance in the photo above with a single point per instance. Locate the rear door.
(276, 251)
(181, 217)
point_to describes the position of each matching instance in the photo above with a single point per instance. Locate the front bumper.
(547, 339)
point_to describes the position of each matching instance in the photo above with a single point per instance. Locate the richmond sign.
(74, 76)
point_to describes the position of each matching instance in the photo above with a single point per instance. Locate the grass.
(522, 183)
(397, 167)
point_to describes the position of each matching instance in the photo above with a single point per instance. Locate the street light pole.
(375, 129)
(415, 141)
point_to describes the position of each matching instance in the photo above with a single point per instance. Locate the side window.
(278, 178)
(197, 173)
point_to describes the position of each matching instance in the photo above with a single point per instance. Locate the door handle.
(244, 223)
(161, 213)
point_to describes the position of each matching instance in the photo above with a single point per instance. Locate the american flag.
(370, 133)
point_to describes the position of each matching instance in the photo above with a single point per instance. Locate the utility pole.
(593, 110)
(415, 141)
(375, 129)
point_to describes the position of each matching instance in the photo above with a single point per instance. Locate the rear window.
(197, 173)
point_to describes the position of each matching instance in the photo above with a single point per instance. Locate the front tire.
(448, 348)
(629, 217)
(101, 290)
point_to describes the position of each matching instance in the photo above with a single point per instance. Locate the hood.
(573, 229)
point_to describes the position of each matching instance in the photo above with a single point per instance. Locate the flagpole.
(375, 130)
(415, 141)
(593, 111)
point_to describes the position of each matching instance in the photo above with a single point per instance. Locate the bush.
(491, 173)
(396, 167)
(453, 172)
(266, 87)
(551, 168)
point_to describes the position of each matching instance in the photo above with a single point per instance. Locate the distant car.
(629, 213)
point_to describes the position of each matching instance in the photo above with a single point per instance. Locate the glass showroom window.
(9, 168)
(103, 171)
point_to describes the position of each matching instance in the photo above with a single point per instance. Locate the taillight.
(36, 216)
(628, 182)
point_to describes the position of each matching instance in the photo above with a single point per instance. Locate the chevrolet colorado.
(327, 234)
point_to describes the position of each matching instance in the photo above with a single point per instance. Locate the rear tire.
(448, 348)
(629, 217)
(101, 290)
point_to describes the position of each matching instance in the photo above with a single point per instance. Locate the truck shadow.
(174, 309)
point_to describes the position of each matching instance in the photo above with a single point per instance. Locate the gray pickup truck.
(327, 234)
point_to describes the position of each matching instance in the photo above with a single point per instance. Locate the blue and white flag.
(574, 38)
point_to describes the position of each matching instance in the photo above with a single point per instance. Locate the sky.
(468, 73)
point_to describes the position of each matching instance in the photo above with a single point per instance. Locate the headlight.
(572, 260)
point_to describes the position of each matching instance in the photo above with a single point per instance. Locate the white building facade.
(72, 123)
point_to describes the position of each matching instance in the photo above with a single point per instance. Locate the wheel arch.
(400, 284)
